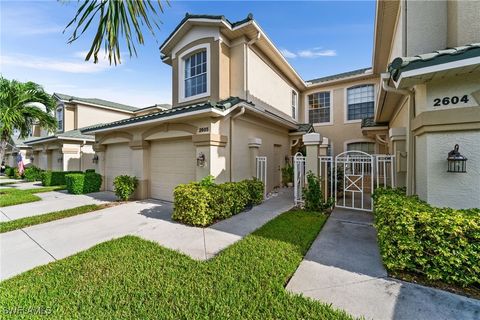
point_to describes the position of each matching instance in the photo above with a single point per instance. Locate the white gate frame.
(363, 165)
(326, 174)
(261, 172)
(298, 177)
(385, 169)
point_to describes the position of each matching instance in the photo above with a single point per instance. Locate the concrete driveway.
(54, 201)
(343, 267)
(25, 249)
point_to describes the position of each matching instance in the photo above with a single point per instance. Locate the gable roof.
(95, 101)
(67, 135)
(340, 76)
(402, 64)
(221, 106)
(205, 16)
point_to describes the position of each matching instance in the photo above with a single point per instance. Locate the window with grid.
(60, 119)
(196, 74)
(368, 147)
(294, 105)
(319, 107)
(360, 102)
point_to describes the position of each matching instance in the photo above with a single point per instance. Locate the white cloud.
(309, 53)
(74, 65)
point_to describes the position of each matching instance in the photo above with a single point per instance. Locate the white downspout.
(410, 140)
(249, 43)
(242, 111)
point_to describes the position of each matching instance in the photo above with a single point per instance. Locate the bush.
(90, 170)
(313, 195)
(203, 203)
(439, 243)
(287, 174)
(80, 183)
(16, 174)
(9, 172)
(33, 173)
(55, 178)
(125, 186)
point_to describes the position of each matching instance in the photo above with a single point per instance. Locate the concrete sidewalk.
(54, 201)
(343, 267)
(25, 249)
(22, 185)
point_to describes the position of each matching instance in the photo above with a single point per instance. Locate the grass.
(47, 217)
(13, 196)
(131, 278)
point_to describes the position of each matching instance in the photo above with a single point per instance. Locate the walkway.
(54, 201)
(25, 249)
(343, 267)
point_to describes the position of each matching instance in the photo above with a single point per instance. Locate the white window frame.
(60, 108)
(295, 104)
(181, 73)
(345, 99)
(307, 108)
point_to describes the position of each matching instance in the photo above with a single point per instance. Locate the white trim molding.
(181, 73)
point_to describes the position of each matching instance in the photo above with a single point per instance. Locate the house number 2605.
(445, 101)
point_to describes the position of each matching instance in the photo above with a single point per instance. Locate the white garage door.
(117, 162)
(171, 163)
(57, 165)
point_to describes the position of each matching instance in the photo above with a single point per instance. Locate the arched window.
(59, 116)
(196, 74)
(360, 102)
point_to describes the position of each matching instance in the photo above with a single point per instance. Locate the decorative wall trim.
(119, 134)
(447, 120)
(169, 127)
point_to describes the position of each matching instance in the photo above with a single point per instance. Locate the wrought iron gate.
(298, 177)
(261, 172)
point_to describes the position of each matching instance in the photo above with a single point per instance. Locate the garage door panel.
(171, 163)
(117, 162)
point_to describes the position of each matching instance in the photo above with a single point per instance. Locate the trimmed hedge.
(439, 243)
(55, 178)
(80, 183)
(201, 204)
(33, 173)
(9, 172)
(125, 186)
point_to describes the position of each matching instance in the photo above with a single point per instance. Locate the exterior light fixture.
(60, 159)
(32, 158)
(95, 158)
(456, 161)
(201, 160)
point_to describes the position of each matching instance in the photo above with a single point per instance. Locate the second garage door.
(171, 163)
(117, 162)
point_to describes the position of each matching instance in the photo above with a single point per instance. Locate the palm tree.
(18, 110)
(116, 19)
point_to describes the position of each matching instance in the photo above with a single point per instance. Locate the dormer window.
(196, 74)
(59, 116)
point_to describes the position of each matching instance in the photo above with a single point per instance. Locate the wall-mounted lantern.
(201, 160)
(95, 159)
(456, 161)
(60, 159)
(32, 158)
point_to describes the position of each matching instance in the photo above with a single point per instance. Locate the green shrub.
(9, 172)
(33, 173)
(313, 195)
(17, 174)
(125, 186)
(201, 204)
(55, 178)
(208, 181)
(75, 182)
(287, 174)
(439, 243)
(92, 182)
(89, 170)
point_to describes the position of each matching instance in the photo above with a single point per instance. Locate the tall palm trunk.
(3, 144)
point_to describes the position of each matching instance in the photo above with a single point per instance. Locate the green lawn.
(130, 278)
(13, 196)
(43, 218)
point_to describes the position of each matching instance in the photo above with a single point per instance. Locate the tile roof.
(304, 127)
(221, 105)
(206, 16)
(71, 134)
(101, 102)
(369, 123)
(401, 64)
(339, 76)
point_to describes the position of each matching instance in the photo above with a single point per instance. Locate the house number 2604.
(445, 101)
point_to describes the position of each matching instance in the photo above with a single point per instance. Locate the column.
(210, 156)
(312, 143)
(325, 183)
(100, 164)
(254, 147)
(398, 138)
(141, 167)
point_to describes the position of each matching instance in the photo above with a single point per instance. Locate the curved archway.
(120, 134)
(170, 127)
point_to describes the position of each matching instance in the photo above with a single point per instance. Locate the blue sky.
(318, 38)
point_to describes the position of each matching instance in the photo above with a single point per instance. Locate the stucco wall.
(463, 22)
(69, 118)
(266, 84)
(87, 116)
(442, 188)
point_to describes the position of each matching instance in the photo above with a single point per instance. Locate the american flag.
(20, 164)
